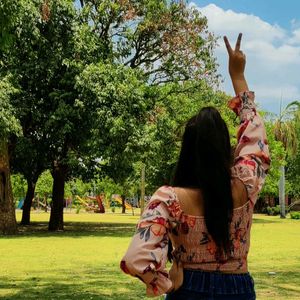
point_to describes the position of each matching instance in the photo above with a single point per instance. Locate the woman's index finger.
(227, 44)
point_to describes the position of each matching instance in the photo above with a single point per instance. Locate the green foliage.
(115, 98)
(165, 126)
(44, 184)
(293, 174)
(77, 187)
(293, 161)
(9, 123)
(107, 186)
(168, 41)
(19, 186)
(295, 215)
(278, 154)
(273, 211)
(79, 70)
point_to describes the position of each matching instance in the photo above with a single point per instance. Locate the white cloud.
(295, 39)
(229, 22)
(273, 54)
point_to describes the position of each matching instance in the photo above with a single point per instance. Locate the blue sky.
(272, 11)
(271, 41)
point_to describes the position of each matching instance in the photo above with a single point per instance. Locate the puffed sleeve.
(146, 256)
(251, 158)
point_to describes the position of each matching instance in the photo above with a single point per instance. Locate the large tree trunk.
(28, 202)
(57, 209)
(8, 224)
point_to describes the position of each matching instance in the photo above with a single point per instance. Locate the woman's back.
(192, 202)
(192, 243)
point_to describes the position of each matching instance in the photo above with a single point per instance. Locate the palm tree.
(285, 131)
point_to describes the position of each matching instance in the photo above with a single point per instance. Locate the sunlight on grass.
(83, 261)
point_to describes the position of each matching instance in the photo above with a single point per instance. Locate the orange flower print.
(143, 224)
(250, 163)
(154, 204)
(244, 139)
(174, 209)
(211, 247)
(158, 229)
(235, 104)
(191, 221)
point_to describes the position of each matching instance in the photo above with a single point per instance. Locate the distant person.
(205, 218)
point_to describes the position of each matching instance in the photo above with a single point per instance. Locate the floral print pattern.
(163, 218)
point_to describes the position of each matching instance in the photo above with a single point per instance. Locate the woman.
(207, 214)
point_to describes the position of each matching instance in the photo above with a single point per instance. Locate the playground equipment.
(100, 204)
(118, 199)
(20, 204)
(90, 205)
(295, 203)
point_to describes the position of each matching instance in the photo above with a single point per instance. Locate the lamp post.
(142, 201)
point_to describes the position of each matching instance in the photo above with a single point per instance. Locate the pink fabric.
(163, 218)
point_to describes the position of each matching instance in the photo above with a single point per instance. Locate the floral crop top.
(163, 218)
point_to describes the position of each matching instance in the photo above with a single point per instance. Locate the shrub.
(295, 215)
(273, 211)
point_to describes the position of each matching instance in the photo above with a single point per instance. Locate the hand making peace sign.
(237, 63)
(237, 59)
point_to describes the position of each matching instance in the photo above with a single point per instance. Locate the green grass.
(83, 261)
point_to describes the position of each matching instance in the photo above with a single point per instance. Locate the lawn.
(83, 261)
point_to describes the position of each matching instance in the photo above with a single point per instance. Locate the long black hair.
(205, 163)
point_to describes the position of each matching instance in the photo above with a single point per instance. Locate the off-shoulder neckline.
(203, 217)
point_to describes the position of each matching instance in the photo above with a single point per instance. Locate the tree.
(277, 155)
(28, 160)
(164, 128)
(133, 48)
(167, 40)
(284, 129)
(9, 125)
(293, 161)
(45, 106)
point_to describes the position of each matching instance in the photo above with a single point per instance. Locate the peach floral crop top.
(163, 218)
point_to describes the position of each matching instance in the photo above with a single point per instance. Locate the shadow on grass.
(264, 221)
(103, 283)
(76, 229)
(82, 229)
(97, 283)
(283, 284)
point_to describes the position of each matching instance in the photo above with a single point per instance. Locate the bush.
(273, 211)
(295, 215)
